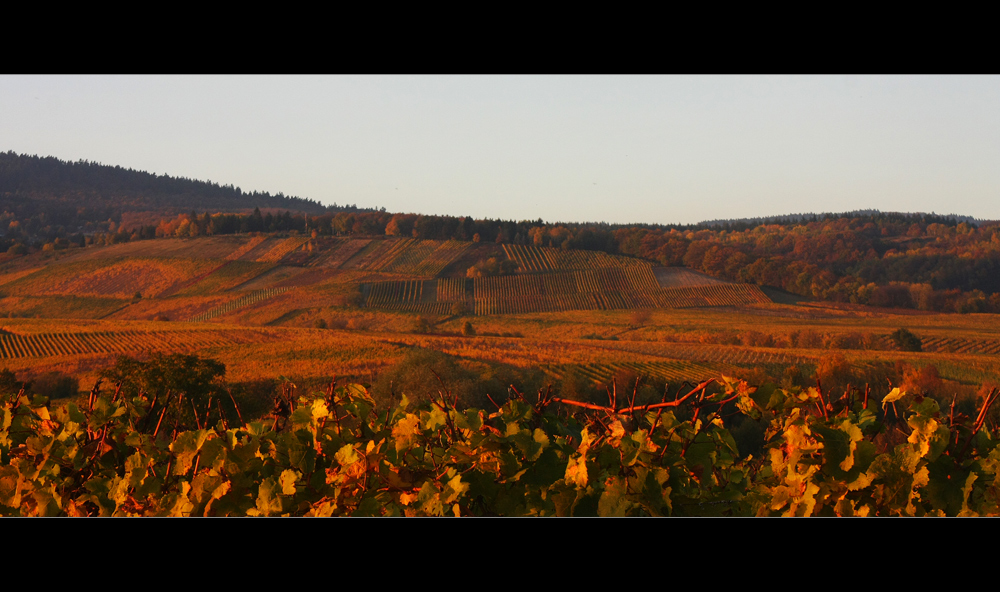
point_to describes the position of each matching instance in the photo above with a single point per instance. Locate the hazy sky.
(657, 149)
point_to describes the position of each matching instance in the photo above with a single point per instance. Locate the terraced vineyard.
(548, 280)
(530, 258)
(408, 291)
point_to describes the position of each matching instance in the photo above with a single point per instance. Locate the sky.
(619, 149)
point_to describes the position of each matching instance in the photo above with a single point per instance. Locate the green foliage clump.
(197, 379)
(424, 373)
(906, 341)
(55, 385)
(9, 384)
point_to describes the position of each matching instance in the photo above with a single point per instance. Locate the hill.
(239, 277)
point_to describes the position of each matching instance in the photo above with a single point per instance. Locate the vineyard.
(69, 344)
(115, 277)
(547, 280)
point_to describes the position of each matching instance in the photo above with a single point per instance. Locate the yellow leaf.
(288, 479)
(319, 409)
(406, 431)
(576, 471)
(617, 431)
(894, 395)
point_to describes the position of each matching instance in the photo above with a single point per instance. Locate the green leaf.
(614, 499)
(435, 419)
(185, 447)
(268, 501)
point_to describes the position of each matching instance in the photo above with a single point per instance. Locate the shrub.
(417, 377)
(640, 317)
(468, 330)
(492, 267)
(9, 384)
(421, 325)
(56, 385)
(834, 371)
(924, 380)
(319, 324)
(197, 378)
(906, 341)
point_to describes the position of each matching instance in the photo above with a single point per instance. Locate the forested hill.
(873, 215)
(73, 193)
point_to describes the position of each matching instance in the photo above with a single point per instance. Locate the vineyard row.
(603, 373)
(607, 290)
(246, 300)
(541, 259)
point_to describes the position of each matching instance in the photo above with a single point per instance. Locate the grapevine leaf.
(268, 501)
(185, 447)
(429, 499)
(287, 480)
(576, 471)
(894, 395)
(10, 486)
(302, 418)
(406, 431)
(347, 455)
(455, 489)
(946, 485)
(614, 499)
(435, 419)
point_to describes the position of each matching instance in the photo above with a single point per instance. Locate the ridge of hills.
(74, 195)
(869, 213)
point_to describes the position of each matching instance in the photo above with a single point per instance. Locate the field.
(311, 308)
